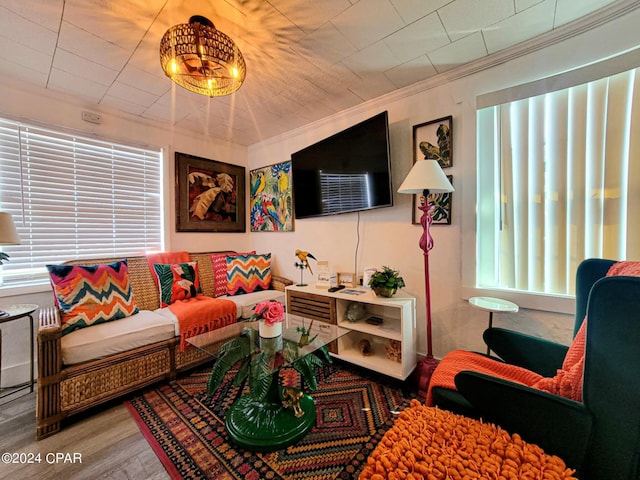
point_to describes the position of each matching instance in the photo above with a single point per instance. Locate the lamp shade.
(8, 232)
(202, 59)
(426, 175)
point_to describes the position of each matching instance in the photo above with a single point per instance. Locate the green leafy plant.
(259, 365)
(386, 280)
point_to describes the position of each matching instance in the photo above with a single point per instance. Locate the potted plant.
(386, 282)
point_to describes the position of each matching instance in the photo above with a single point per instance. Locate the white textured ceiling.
(306, 59)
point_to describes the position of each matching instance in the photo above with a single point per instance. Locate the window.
(344, 191)
(75, 197)
(558, 178)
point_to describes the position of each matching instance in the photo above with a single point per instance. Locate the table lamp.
(424, 178)
(8, 236)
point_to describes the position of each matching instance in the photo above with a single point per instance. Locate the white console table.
(398, 327)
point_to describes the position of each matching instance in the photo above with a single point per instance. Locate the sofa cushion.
(246, 303)
(143, 328)
(92, 294)
(219, 264)
(248, 273)
(177, 281)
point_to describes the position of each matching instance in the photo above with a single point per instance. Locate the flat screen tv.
(346, 172)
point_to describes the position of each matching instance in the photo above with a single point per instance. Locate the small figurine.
(303, 263)
(291, 399)
(355, 311)
(365, 347)
(394, 350)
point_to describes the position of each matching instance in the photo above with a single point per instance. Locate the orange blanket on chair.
(459, 360)
(566, 383)
(202, 314)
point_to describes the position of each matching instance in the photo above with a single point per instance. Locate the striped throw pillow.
(177, 281)
(248, 273)
(92, 294)
(219, 264)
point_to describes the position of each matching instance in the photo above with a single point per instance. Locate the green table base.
(266, 425)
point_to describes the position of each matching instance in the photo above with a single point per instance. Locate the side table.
(492, 305)
(9, 313)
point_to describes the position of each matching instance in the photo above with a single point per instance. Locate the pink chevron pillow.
(219, 264)
(92, 294)
(248, 273)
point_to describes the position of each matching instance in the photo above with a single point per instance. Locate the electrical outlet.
(92, 117)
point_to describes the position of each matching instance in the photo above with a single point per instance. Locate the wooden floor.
(108, 441)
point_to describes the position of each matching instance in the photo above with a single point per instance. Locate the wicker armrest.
(48, 411)
(49, 346)
(49, 321)
(280, 283)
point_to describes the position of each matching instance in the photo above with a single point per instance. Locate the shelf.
(388, 329)
(398, 326)
(377, 363)
(349, 350)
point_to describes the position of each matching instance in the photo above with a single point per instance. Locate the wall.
(387, 236)
(30, 104)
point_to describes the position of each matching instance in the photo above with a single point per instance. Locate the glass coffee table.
(271, 416)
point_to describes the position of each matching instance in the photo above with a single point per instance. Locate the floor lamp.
(426, 177)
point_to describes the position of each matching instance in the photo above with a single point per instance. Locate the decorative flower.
(270, 311)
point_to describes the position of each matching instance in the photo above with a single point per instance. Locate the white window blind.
(344, 191)
(558, 181)
(74, 197)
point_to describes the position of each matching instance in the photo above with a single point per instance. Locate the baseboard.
(15, 375)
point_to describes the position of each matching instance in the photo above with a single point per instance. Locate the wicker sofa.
(65, 390)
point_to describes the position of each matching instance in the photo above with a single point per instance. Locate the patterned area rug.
(186, 428)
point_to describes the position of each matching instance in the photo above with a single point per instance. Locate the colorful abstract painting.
(271, 198)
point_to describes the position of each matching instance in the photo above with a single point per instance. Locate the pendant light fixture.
(202, 59)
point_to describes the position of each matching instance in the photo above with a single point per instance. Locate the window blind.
(74, 197)
(558, 181)
(344, 191)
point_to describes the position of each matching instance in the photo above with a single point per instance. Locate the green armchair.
(600, 436)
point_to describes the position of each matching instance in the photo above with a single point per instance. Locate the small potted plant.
(386, 282)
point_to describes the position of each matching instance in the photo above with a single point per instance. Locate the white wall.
(23, 103)
(387, 235)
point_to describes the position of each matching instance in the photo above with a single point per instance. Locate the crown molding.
(578, 27)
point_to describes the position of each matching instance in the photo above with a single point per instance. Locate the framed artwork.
(434, 141)
(348, 279)
(271, 198)
(210, 195)
(440, 204)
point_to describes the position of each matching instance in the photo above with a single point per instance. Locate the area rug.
(186, 429)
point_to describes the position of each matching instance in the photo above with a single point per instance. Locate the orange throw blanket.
(459, 360)
(202, 314)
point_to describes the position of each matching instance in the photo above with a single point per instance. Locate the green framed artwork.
(271, 201)
(434, 141)
(440, 204)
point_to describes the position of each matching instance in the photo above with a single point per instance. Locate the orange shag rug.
(432, 444)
